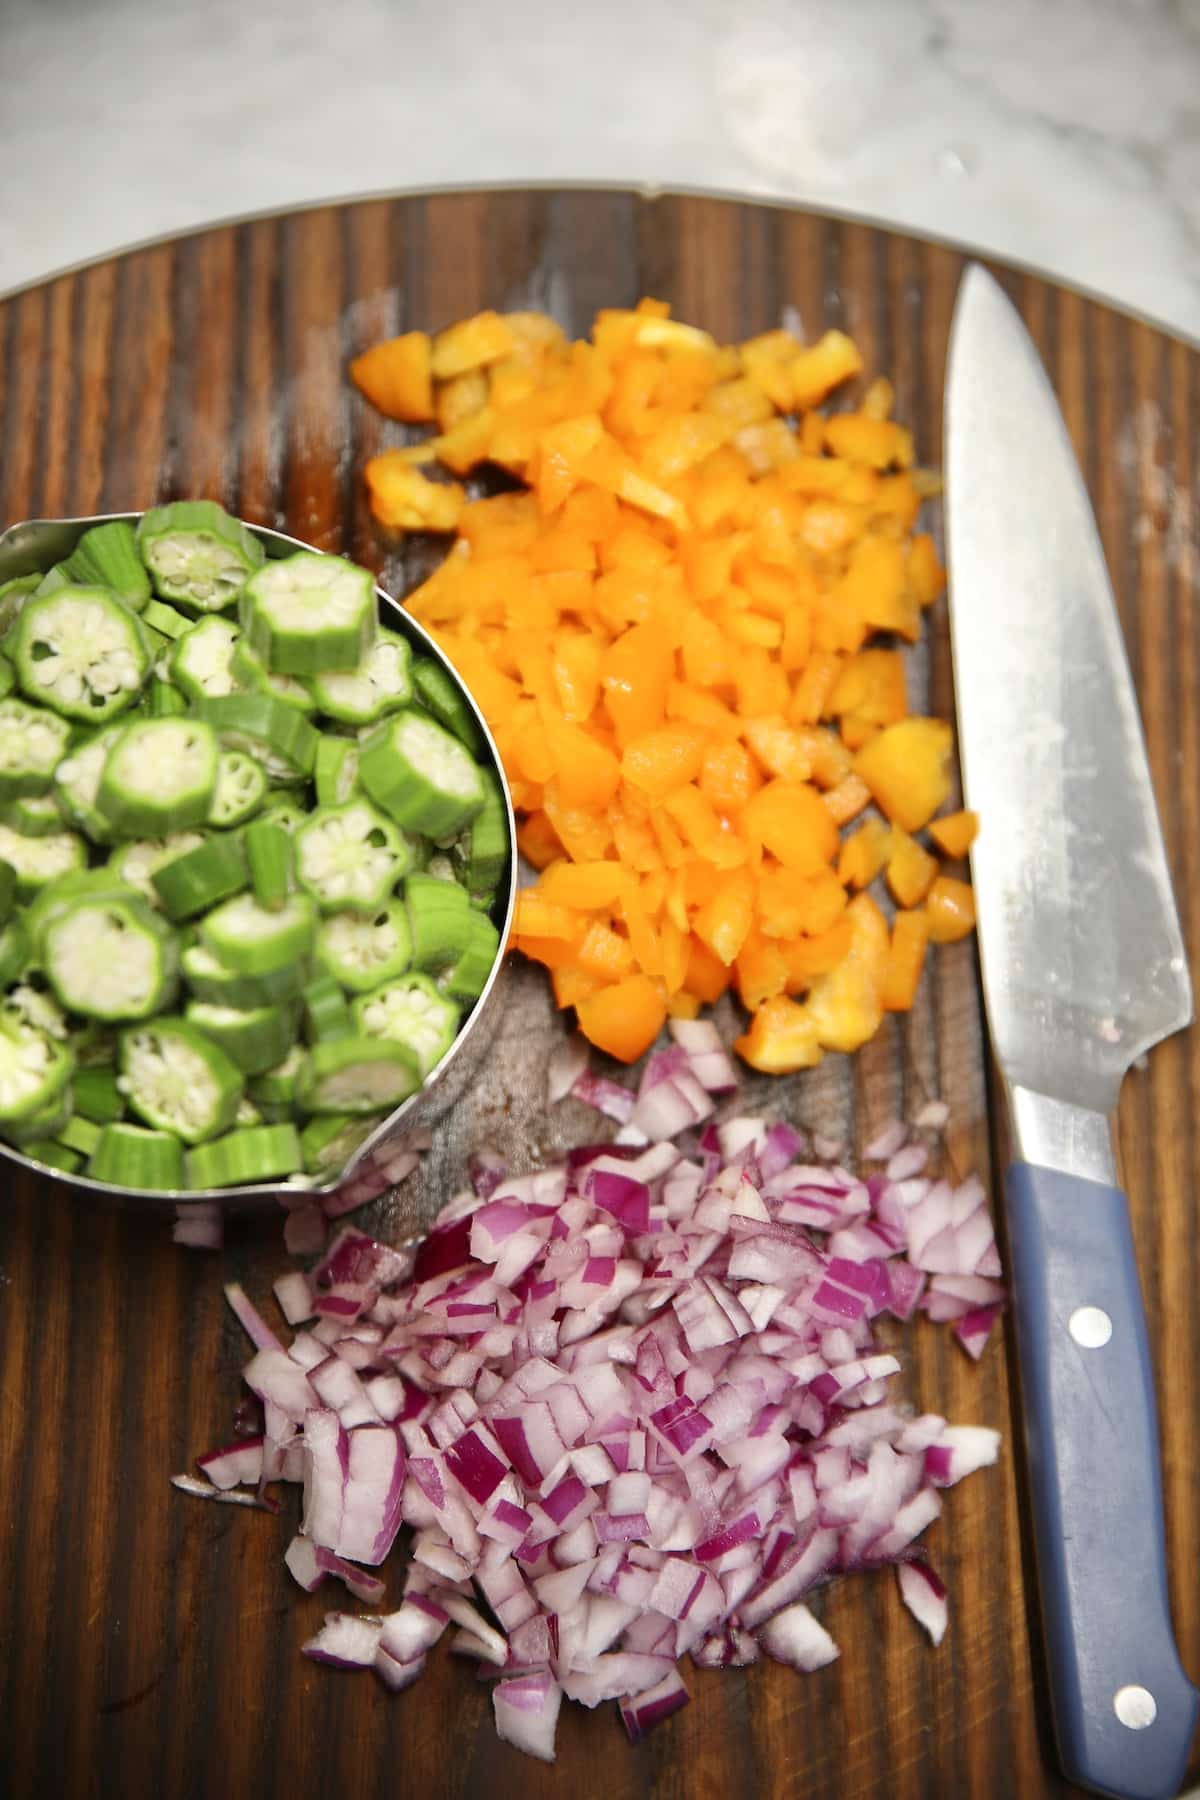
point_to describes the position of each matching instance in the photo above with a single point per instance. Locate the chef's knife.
(1083, 969)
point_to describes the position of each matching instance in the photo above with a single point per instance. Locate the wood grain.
(150, 1645)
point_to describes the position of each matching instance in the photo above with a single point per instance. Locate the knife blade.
(1084, 969)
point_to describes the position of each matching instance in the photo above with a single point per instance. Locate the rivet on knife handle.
(1124, 1711)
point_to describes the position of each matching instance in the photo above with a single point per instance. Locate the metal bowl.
(36, 545)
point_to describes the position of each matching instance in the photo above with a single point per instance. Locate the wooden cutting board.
(149, 1644)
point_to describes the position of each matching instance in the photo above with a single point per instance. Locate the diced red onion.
(237, 1465)
(345, 1642)
(641, 1714)
(794, 1636)
(526, 1713)
(199, 1225)
(924, 1594)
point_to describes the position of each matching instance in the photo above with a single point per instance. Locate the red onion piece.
(567, 1062)
(925, 1597)
(527, 1713)
(199, 1225)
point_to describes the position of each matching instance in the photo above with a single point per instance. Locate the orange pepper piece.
(907, 768)
(863, 855)
(950, 908)
(406, 500)
(846, 1005)
(791, 820)
(623, 1019)
(781, 1038)
(955, 832)
(396, 376)
(729, 778)
(906, 959)
(471, 344)
(723, 922)
(660, 761)
(586, 887)
(812, 956)
(761, 971)
(910, 869)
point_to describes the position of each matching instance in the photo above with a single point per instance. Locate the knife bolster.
(1054, 1134)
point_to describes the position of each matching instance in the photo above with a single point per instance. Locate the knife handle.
(1124, 1710)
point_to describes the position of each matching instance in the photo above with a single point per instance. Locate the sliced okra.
(243, 1157)
(269, 858)
(335, 771)
(356, 1075)
(210, 980)
(254, 940)
(381, 683)
(189, 884)
(176, 1079)
(275, 734)
(200, 661)
(53, 1155)
(197, 555)
(15, 948)
(362, 950)
(110, 957)
(80, 652)
(439, 918)
(97, 1096)
(441, 696)
(167, 620)
(8, 892)
(164, 701)
(307, 613)
(420, 775)
(39, 1010)
(77, 783)
(488, 844)
(253, 675)
(34, 1072)
(107, 556)
(411, 1012)
(40, 860)
(468, 977)
(326, 1012)
(159, 777)
(32, 744)
(255, 1039)
(33, 815)
(135, 864)
(349, 858)
(80, 1134)
(277, 1086)
(135, 1156)
(240, 791)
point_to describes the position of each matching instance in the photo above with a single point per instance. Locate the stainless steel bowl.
(36, 544)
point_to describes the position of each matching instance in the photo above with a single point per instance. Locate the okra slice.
(381, 683)
(97, 1096)
(254, 940)
(362, 950)
(33, 815)
(53, 1155)
(268, 849)
(134, 1156)
(162, 701)
(197, 554)
(55, 580)
(285, 814)
(466, 980)
(80, 652)
(255, 1039)
(15, 949)
(275, 734)
(136, 864)
(252, 674)
(176, 1079)
(39, 1010)
(243, 1157)
(77, 783)
(439, 918)
(349, 857)
(240, 791)
(487, 845)
(13, 595)
(110, 957)
(8, 892)
(335, 771)
(441, 695)
(210, 980)
(166, 620)
(308, 612)
(32, 743)
(200, 662)
(420, 776)
(8, 676)
(326, 1013)
(277, 1086)
(80, 1134)
(356, 1075)
(107, 556)
(159, 777)
(410, 1012)
(329, 1141)
(40, 860)
(189, 884)
(34, 1072)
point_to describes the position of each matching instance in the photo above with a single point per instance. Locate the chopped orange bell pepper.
(584, 886)
(825, 365)
(954, 833)
(407, 500)
(863, 855)
(623, 1019)
(907, 768)
(792, 821)
(396, 376)
(660, 761)
(782, 1038)
(471, 344)
(910, 868)
(950, 908)
(906, 959)
(846, 1005)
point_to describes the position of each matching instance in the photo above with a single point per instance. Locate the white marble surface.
(1063, 133)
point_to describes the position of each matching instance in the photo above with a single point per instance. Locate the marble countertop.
(1061, 133)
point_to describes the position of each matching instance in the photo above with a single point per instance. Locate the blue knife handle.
(1092, 1435)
